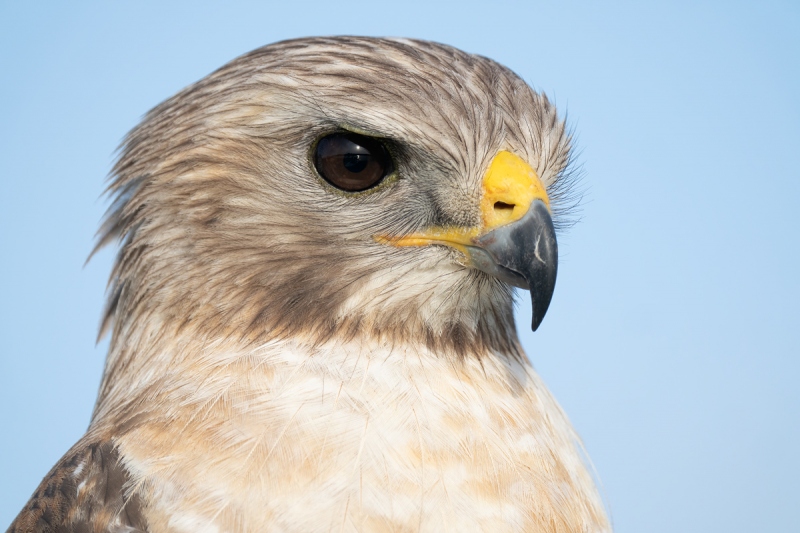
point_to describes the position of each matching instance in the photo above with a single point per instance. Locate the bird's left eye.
(352, 162)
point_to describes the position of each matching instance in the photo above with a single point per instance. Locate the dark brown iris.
(352, 162)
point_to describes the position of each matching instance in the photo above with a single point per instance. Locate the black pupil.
(355, 162)
(352, 162)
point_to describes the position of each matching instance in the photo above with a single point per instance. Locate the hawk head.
(339, 187)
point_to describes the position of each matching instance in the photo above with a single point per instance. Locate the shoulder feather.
(83, 493)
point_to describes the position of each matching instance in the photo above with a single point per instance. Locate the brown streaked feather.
(83, 493)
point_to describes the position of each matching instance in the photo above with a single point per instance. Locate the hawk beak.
(524, 254)
(516, 242)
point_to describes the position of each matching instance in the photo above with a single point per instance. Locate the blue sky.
(671, 341)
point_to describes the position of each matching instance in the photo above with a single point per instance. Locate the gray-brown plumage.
(289, 355)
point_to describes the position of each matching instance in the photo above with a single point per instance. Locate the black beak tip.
(535, 323)
(540, 303)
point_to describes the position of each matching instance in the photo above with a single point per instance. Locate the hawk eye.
(352, 162)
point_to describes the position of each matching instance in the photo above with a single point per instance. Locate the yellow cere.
(510, 185)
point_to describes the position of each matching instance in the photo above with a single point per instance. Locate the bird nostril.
(502, 206)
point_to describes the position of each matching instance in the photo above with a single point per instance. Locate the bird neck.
(349, 426)
(161, 355)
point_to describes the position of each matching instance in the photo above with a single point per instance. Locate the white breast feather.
(354, 437)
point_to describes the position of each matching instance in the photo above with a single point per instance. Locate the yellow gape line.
(509, 187)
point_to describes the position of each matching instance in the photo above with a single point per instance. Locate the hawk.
(311, 309)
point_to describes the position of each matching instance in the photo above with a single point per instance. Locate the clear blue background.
(672, 341)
